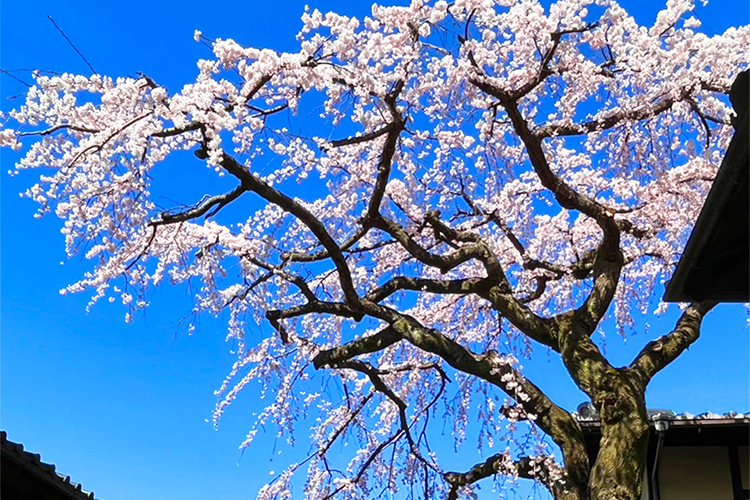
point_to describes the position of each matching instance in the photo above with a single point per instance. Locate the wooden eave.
(716, 262)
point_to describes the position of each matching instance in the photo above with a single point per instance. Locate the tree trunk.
(617, 473)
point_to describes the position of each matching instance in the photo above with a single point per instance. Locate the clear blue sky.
(123, 408)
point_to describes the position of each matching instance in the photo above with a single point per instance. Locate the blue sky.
(122, 408)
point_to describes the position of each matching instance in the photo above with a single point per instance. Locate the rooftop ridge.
(15, 452)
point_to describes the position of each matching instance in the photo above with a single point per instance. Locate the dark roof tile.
(15, 452)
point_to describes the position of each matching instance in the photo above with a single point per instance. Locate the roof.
(683, 429)
(716, 262)
(24, 475)
(587, 414)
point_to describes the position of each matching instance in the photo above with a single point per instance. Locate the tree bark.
(617, 473)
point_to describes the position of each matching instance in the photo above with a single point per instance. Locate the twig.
(71, 44)
(14, 77)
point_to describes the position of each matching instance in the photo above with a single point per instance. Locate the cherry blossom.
(478, 177)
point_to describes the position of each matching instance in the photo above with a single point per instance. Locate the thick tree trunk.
(619, 396)
(617, 473)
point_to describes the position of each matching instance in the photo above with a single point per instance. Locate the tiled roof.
(32, 464)
(587, 413)
(713, 416)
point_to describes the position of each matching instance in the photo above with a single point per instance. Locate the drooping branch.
(374, 375)
(341, 358)
(378, 450)
(490, 366)
(298, 281)
(253, 183)
(115, 133)
(340, 430)
(143, 251)
(703, 118)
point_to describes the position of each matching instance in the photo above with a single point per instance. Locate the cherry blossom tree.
(414, 201)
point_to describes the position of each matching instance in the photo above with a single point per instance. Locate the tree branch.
(476, 250)
(365, 345)
(501, 463)
(98, 147)
(298, 281)
(253, 183)
(323, 254)
(365, 137)
(218, 201)
(374, 375)
(495, 289)
(490, 366)
(319, 307)
(544, 69)
(384, 168)
(554, 130)
(170, 132)
(662, 351)
(606, 277)
(609, 260)
(54, 129)
(383, 445)
(460, 286)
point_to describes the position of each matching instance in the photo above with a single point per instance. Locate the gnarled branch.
(662, 351)
(365, 345)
